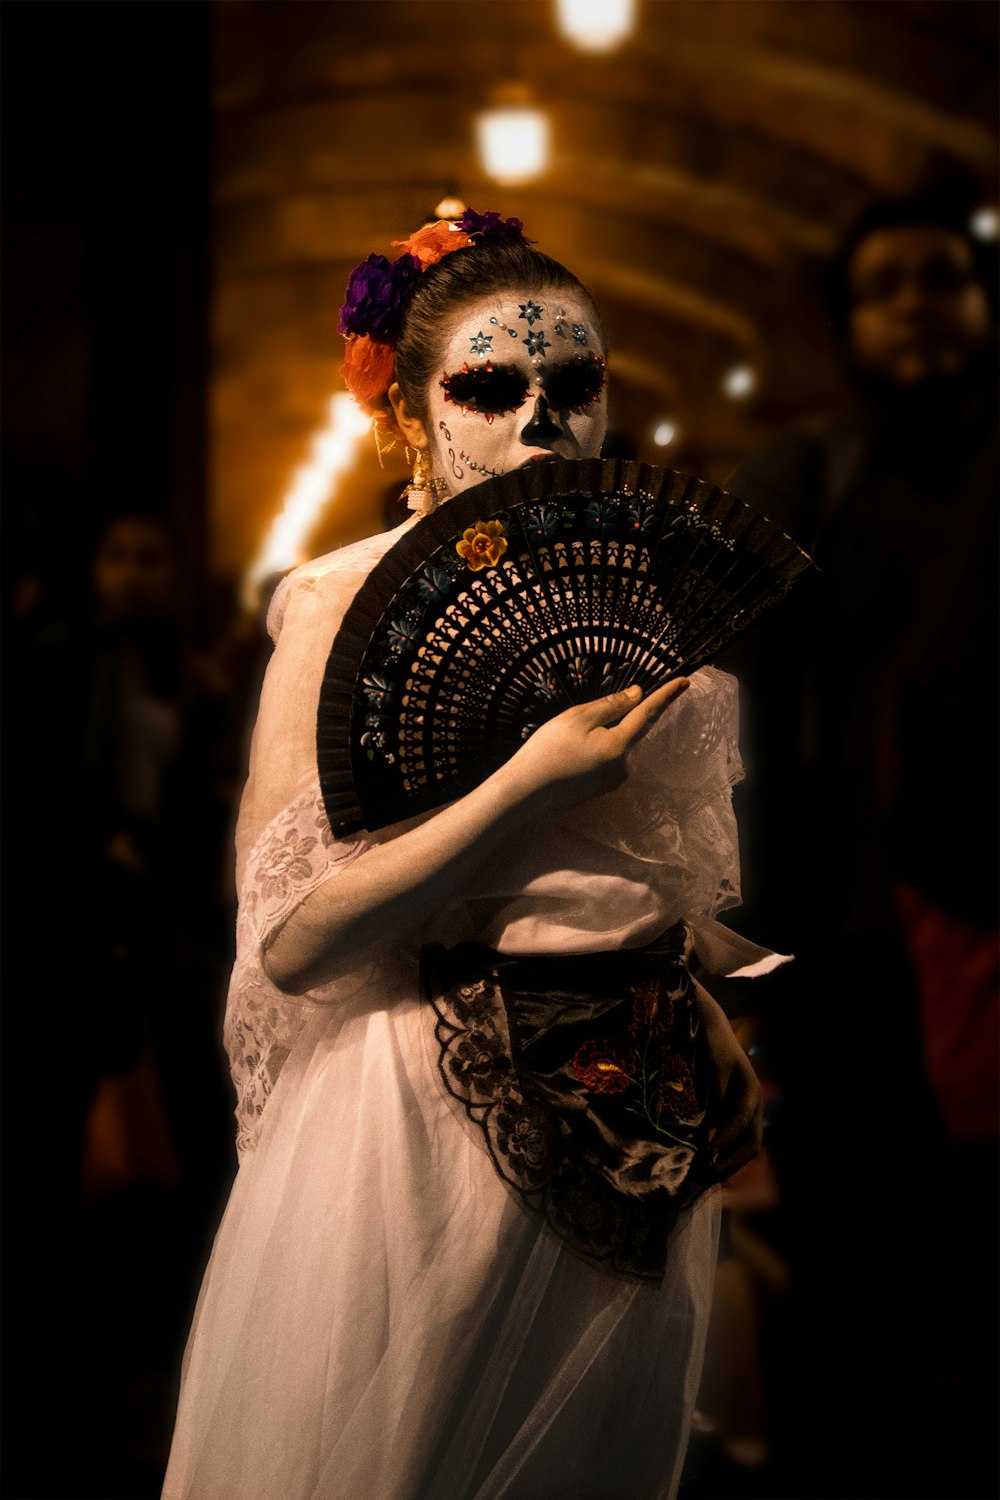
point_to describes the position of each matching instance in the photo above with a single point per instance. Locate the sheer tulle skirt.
(381, 1319)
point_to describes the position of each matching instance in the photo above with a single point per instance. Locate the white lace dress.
(382, 1318)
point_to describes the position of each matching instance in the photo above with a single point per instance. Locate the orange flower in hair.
(433, 243)
(367, 371)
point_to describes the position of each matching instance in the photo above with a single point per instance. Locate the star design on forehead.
(579, 333)
(537, 342)
(481, 344)
(530, 311)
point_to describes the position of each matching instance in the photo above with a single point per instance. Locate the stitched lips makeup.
(519, 380)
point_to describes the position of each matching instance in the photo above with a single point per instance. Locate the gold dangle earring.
(421, 492)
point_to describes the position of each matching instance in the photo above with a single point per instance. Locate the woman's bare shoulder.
(327, 575)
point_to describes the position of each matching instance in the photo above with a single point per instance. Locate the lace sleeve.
(295, 854)
(284, 845)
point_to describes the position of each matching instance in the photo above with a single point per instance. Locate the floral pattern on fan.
(482, 545)
(533, 591)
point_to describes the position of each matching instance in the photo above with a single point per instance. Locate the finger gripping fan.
(545, 587)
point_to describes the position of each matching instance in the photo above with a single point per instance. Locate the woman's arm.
(397, 886)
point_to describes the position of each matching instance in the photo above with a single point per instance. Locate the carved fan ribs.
(613, 573)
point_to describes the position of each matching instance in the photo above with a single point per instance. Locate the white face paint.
(519, 379)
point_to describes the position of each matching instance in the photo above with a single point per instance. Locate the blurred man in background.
(871, 821)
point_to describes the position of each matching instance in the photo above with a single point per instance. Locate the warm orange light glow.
(513, 142)
(334, 449)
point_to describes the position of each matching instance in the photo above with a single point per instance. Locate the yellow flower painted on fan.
(483, 545)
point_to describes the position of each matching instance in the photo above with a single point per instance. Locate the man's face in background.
(918, 310)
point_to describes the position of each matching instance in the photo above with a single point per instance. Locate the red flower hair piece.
(368, 370)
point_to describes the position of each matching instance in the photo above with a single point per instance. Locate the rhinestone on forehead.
(537, 342)
(482, 343)
(530, 311)
(504, 328)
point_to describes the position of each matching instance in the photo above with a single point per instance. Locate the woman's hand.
(582, 752)
(736, 1093)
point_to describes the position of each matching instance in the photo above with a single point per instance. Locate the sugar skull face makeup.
(520, 379)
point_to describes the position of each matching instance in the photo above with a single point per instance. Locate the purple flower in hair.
(490, 225)
(377, 292)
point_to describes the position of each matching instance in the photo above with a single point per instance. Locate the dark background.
(105, 196)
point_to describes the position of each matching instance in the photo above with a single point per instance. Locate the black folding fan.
(549, 586)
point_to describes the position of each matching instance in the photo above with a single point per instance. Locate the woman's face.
(520, 379)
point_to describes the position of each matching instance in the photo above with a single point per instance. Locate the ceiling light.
(985, 222)
(450, 207)
(739, 381)
(664, 434)
(334, 449)
(513, 136)
(595, 25)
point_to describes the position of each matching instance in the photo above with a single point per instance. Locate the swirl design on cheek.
(458, 473)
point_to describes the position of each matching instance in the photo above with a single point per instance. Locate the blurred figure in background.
(871, 822)
(152, 719)
(118, 799)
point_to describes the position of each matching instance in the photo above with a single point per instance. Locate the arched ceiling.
(699, 175)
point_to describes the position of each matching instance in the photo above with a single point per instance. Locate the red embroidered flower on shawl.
(675, 1093)
(652, 1009)
(601, 1067)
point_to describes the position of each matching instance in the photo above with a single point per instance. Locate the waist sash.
(588, 1076)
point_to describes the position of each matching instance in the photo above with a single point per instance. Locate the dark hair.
(467, 275)
(903, 211)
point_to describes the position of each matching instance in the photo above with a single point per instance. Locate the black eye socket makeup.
(494, 390)
(576, 384)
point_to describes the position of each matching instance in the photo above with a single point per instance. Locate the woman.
(385, 1315)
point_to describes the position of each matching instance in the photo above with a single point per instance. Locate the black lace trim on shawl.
(588, 1076)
